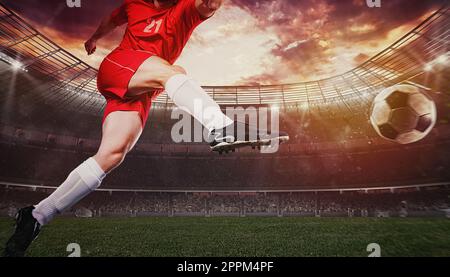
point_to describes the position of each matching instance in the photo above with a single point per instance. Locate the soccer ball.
(403, 114)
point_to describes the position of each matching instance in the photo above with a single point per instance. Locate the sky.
(250, 42)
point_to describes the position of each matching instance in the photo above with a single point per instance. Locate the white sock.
(83, 180)
(187, 94)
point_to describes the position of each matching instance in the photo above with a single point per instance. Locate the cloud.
(325, 26)
(253, 41)
(70, 27)
(70, 22)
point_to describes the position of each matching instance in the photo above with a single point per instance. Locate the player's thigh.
(121, 131)
(152, 74)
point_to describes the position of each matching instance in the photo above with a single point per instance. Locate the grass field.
(249, 237)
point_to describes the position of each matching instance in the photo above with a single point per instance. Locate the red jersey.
(163, 32)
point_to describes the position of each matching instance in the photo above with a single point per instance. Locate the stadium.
(336, 187)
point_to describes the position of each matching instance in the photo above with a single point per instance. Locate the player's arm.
(207, 7)
(108, 24)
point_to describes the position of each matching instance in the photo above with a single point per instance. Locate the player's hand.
(90, 46)
(212, 4)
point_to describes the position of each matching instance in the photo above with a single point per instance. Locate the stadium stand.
(335, 163)
(427, 201)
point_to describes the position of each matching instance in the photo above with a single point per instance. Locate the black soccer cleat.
(26, 230)
(239, 134)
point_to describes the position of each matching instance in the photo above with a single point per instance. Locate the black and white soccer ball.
(403, 114)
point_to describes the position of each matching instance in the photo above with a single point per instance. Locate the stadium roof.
(73, 83)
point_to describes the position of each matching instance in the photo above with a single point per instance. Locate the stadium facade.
(51, 110)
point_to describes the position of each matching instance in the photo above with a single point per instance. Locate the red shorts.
(113, 78)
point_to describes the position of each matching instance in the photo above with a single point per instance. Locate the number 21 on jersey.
(154, 26)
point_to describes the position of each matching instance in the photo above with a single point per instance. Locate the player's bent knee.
(178, 70)
(170, 72)
(111, 159)
(161, 78)
(116, 156)
(116, 159)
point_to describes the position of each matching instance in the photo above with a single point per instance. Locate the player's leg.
(155, 72)
(121, 130)
(189, 95)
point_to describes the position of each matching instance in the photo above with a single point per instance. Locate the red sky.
(251, 41)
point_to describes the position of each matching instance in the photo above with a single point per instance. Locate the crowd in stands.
(240, 204)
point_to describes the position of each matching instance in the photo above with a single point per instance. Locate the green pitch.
(252, 236)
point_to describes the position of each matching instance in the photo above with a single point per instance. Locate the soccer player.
(129, 78)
